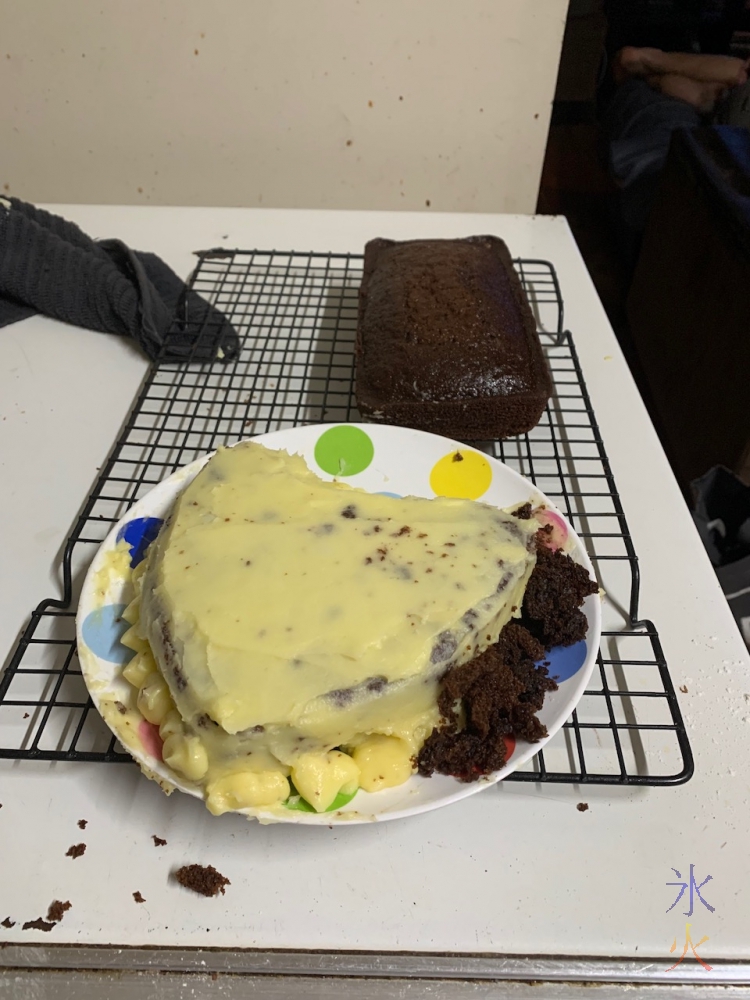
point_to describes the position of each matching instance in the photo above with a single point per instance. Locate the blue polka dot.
(102, 631)
(564, 661)
(139, 533)
(385, 493)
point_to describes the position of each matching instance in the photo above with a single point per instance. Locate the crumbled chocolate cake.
(203, 879)
(38, 925)
(499, 693)
(554, 594)
(8, 923)
(82, 824)
(524, 512)
(582, 807)
(75, 851)
(57, 910)
(158, 841)
(138, 897)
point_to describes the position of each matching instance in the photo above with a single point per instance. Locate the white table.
(515, 871)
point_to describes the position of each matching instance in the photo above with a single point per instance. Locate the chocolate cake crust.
(446, 340)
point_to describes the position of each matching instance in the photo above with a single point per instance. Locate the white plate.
(377, 458)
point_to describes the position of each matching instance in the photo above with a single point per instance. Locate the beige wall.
(314, 103)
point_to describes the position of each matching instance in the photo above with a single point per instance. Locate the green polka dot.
(344, 451)
(297, 803)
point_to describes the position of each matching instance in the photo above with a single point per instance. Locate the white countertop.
(513, 870)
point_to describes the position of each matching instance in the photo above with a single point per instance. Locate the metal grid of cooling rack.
(296, 314)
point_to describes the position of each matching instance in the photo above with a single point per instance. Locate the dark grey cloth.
(48, 265)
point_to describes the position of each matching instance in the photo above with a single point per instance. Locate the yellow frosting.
(290, 617)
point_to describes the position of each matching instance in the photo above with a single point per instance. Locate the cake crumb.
(203, 879)
(38, 925)
(683, 688)
(458, 457)
(138, 897)
(523, 513)
(75, 851)
(158, 841)
(8, 922)
(57, 910)
(582, 807)
(82, 824)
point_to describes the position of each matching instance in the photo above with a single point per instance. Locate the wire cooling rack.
(296, 317)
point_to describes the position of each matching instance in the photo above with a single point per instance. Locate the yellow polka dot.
(462, 473)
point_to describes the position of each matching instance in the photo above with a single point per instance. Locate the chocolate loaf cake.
(446, 341)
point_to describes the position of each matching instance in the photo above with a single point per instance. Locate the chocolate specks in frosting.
(341, 696)
(444, 648)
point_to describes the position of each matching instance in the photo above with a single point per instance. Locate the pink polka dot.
(152, 742)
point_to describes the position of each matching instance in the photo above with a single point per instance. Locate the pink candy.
(557, 538)
(152, 742)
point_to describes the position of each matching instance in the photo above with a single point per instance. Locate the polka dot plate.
(395, 461)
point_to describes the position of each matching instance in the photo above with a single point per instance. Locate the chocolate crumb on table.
(75, 851)
(7, 922)
(57, 910)
(158, 841)
(582, 807)
(138, 897)
(82, 823)
(683, 688)
(203, 879)
(38, 925)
